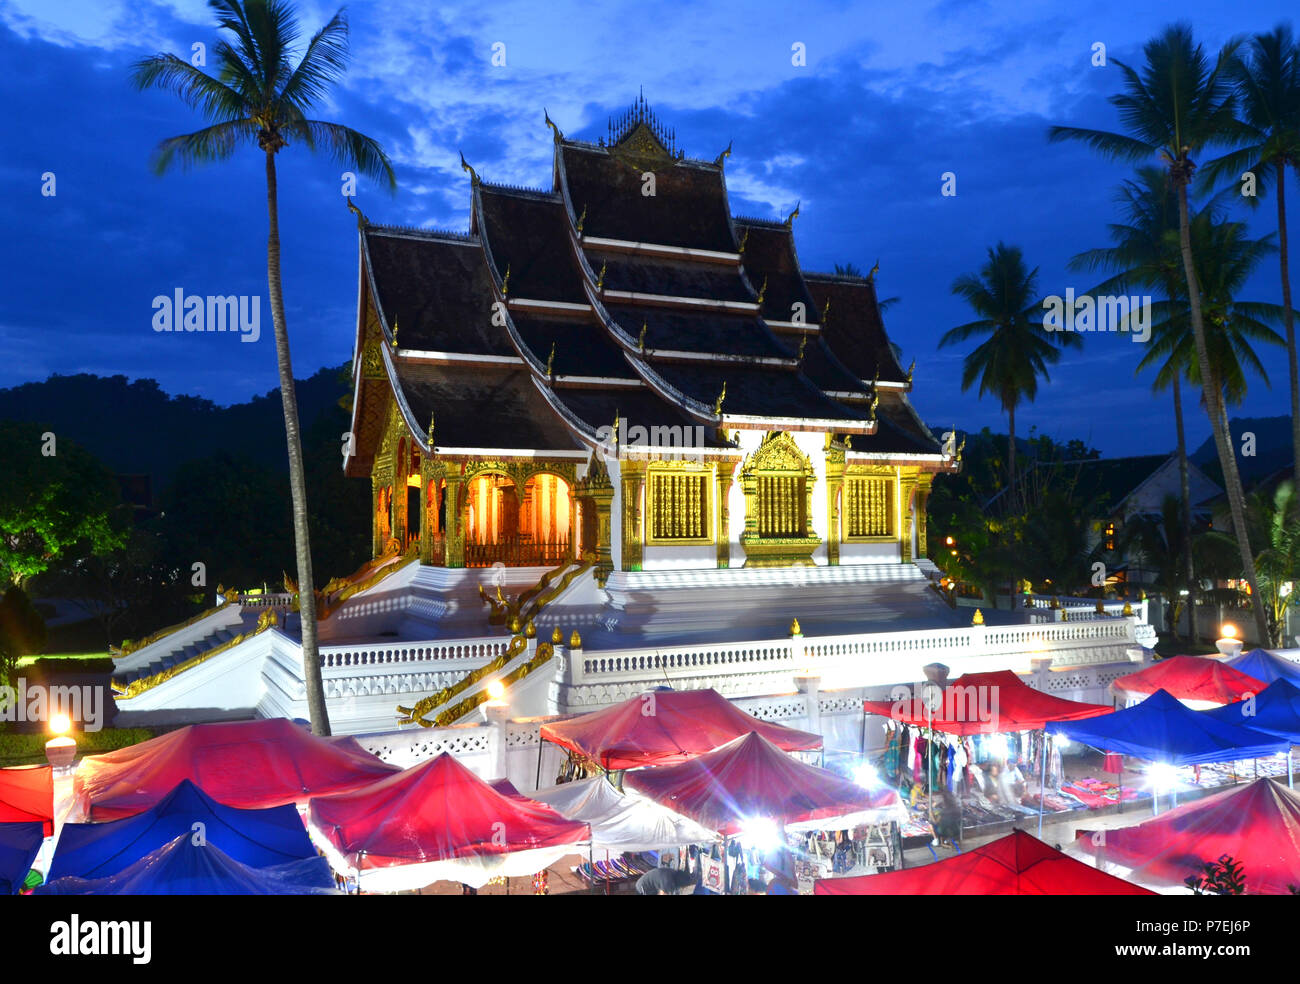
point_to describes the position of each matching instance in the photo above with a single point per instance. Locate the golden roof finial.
(761, 291)
(826, 310)
(789, 219)
(723, 156)
(911, 369)
(505, 282)
(430, 432)
(640, 340)
(875, 402)
(717, 406)
(848, 441)
(616, 423)
(978, 619)
(361, 219)
(394, 333)
(743, 240)
(581, 219)
(551, 123)
(466, 167)
(550, 361)
(803, 344)
(874, 270)
(600, 280)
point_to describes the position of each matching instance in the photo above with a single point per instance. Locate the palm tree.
(1017, 351)
(1160, 546)
(1179, 105)
(1146, 254)
(1267, 80)
(1278, 521)
(260, 98)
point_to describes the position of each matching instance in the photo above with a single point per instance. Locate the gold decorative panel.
(868, 508)
(679, 507)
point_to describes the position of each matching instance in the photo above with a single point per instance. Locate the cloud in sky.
(892, 96)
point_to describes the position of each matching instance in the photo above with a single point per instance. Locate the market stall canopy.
(438, 821)
(1275, 710)
(1163, 729)
(181, 867)
(28, 794)
(621, 822)
(986, 703)
(259, 838)
(1257, 825)
(19, 844)
(1191, 678)
(751, 778)
(666, 727)
(248, 764)
(1265, 666)
(1017, 864)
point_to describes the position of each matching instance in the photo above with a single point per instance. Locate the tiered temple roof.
(561, 311)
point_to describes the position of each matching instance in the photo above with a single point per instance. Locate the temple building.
(618, 367)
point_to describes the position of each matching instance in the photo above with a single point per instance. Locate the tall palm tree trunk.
(1214, 408)
(1289, 319)
(1015, 501)
(1185, 481)
(320, 724)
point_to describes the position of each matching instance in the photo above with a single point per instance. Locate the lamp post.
(61, 750)
(936, 675)
(1228, 644)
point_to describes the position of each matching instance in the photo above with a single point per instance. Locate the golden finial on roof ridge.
(430, 431)
(616, 423)
(551, 123)
(826, 310)
(789, 219)
(582, 218)
(640, 341)
(465, 166)
(723, 156)
(761, 292)
(550, 361)
(394, 333)
(743, 240)
(911, 369)
(803, 344)
(717, 406)
(361, 219)
(600, 280)
(871, 277)
(505, 282)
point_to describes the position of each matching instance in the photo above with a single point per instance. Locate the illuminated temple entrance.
(528, 527)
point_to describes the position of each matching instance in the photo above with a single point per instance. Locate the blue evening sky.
(892, 96)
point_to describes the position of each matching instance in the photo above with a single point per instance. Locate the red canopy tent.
(27, 795)
(1192, 678)
(1258, 825)
(247, 764)
(438, 821)
(666, 727)
(1017, 864)
(987, 703)
(751, 778)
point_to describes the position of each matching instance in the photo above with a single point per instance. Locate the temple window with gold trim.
(868, 508)
(781, 505)
(679, 507)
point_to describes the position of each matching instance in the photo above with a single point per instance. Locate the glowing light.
(760, 833)
(1162, 775)
(866, 776)
(496, 690)
(1062, 742)
(997, 746)
(1229, 630)
(60, 724)
(949, 541)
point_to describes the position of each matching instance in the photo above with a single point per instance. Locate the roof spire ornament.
(394, 334)
(551, 123)
(871, 277)
(550, 363)
(761, 291)
(717, 406)
(361, 219)
(803, 344)
(600, 281)
(614, 435)
(505, 283)
(723, 156)
(582, 219)
(826, 310)
(465, 166)
(430, 432)
(743, 240)
(640, 341)
(789, 219)
(911, 369)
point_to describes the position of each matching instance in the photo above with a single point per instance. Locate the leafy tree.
(52, 503)
(260, 98)
(22, 632)
(1177, 106)
(1222, 877)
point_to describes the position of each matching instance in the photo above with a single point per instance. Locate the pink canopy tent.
(1257, 824)
(666, 727)
(987, 703)
(750, 778)
(26, 795)
(1017, 864)
(1192, 678)
(247, 764)
(438, 821)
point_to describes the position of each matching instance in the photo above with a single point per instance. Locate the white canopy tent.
(622, 822)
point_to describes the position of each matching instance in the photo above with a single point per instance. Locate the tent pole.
(1290, 778)
(1042, 785)
(726, 875)
(540, 742)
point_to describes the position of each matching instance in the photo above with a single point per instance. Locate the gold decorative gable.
(778, 453)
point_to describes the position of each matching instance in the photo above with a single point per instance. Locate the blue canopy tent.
(1263, 665)
(19, 845)
(181, 867)
(1275, 710)
(257, 838)
(1164, 729)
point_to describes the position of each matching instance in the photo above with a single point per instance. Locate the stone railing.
(275, 599)
(483, 648)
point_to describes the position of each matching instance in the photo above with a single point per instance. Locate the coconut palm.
(1146, 255)
(1017, 351)
(260, 98)
(1181, 103)
(1267, 79)
(1279, 562)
